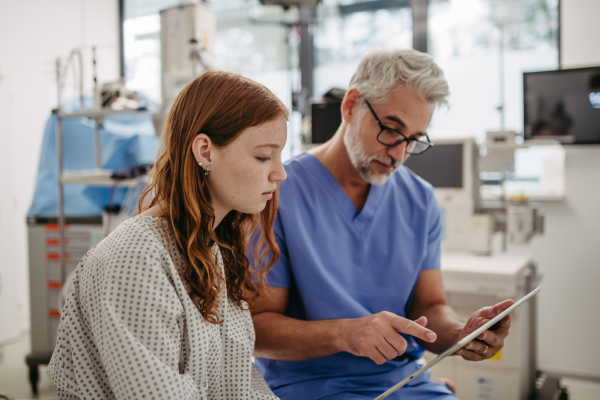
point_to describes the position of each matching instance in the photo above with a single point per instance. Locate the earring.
(206, 170)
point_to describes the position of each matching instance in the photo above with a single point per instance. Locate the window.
(346, 31)
(250, 40)
(484, 46)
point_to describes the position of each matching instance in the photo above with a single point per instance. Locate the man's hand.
(376, 336)
(489, 342)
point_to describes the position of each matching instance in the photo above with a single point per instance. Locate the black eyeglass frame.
(400, 141)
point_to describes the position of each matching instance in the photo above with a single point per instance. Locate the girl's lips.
(269, 194)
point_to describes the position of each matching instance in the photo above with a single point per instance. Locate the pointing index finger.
(403, 325)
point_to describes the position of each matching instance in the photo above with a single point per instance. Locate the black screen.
(441, 165)
(326, 119)
(563, 105)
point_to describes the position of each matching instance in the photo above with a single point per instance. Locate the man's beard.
(363, 164)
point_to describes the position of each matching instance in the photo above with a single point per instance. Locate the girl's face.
(244, 174)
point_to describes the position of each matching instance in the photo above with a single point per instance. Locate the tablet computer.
(461, 343)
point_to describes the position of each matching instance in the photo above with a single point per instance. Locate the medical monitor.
(563, 105)
(326, 119)
(450, 166)
(441, 165)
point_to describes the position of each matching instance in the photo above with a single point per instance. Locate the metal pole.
(531, 281)
(307, 20)
(501, 67)
(419, 10)
(59, 162)
(98, 154)
(96, 98)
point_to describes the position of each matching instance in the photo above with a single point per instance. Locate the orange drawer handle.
(55, 242)
(53, 285)
(54, 227)
(54, 313)
(56, 256)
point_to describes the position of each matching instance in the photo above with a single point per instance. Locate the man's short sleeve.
(434, 234)
(280, 274)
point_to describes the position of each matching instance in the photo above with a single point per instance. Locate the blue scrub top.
(341, 263)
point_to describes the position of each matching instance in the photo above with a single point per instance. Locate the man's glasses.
(390, 137)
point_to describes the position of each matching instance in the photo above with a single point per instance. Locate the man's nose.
(398, 152)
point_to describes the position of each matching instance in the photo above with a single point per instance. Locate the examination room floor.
(14, 377)
(14, 374)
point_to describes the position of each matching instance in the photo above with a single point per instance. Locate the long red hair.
(220, 105)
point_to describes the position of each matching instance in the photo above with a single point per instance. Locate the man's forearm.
(279, 337)
(445, 323)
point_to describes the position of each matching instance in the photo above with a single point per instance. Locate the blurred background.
(85, 86)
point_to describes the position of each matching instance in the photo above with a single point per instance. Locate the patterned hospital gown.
(129, 329)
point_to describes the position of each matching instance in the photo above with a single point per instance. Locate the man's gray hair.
(379, 72)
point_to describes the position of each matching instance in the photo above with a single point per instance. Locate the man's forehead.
(412, 115)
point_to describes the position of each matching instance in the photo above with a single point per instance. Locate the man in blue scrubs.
(357, 292)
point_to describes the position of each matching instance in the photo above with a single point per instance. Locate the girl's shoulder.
(137, 238)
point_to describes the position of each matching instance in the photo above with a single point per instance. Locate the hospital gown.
(130, 330)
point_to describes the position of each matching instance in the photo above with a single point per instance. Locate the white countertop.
(501, 275)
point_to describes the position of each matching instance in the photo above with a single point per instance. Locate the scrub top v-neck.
(342, 263)
(358, 220)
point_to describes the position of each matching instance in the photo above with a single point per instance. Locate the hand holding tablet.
(490, 341)
(462, 342)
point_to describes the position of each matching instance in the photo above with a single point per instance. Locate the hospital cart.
(57, 244)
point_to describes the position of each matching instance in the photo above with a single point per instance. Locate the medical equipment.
(482, 229)
(507, 194)
(472, 212)
(521, 220)
(56, 247)
(289, 3)
(461, 343)
(325, 116)
(450, 166)
(186, 38)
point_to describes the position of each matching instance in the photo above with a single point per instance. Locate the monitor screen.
(326, 119)
(441, 165)
(563, 105)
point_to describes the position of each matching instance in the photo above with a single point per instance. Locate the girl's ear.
(201, 147)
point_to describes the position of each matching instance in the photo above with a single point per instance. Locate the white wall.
(569, 252)
(32, 34)
(568, 255)
(579, 33)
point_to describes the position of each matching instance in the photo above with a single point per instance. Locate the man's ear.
(350, 105)
(201, 147)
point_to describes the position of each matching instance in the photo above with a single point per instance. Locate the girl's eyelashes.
(263, 159)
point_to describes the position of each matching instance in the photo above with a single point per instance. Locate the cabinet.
(472, 282)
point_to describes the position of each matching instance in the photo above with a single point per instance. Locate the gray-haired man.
(358, 288)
